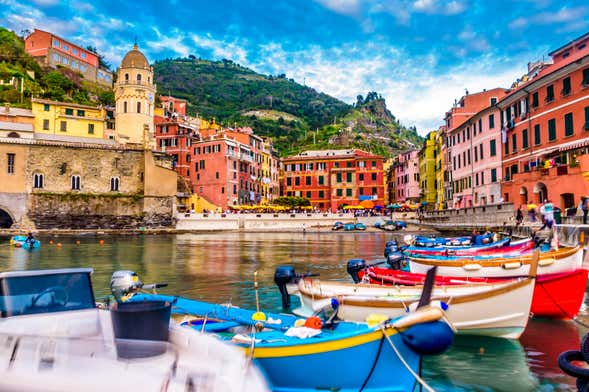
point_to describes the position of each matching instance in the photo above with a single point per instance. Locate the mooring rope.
(419, 379)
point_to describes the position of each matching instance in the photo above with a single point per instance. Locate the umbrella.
(367, 204)
(393, 206)
(353, 208)
(532, 206)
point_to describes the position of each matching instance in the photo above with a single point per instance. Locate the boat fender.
(299, 323)
(313, 322)
(259, 316)
(429, 338)
(546, 262)
(512, 265)
(565, 360)
(283, 275)
(472, 267)
(467, 242)
(354, 266)
(435, 304)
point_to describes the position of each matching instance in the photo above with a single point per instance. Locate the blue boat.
(340, 356)
(20, 241)
(360, 226)
(337, 226)
(349, 227)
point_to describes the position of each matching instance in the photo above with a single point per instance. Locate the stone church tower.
(135, 97)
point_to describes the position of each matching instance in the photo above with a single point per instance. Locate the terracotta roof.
(134, 59)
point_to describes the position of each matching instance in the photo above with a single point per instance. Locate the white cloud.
(574, 16)
(439, 7)
(222, 49)
(344, 7)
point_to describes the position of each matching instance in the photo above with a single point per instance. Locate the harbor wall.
(492, 216)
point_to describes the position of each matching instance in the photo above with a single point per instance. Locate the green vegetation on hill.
(296, 117)
(25, 78)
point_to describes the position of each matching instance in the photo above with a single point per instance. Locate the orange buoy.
(77, 242)
(313, 322)
(17, 245)
(101, 242)
(51, 242)
(59, 244)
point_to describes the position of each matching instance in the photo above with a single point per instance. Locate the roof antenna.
(135, 45)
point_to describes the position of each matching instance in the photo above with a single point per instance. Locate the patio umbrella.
(367, 204)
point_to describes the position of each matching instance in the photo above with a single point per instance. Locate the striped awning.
(573, 145)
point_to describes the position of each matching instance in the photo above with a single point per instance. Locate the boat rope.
(373, 364)
(564, 313)
(419, 379)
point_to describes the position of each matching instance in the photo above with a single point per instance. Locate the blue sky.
(419, 54)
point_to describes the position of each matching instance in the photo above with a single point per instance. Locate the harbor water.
(219, 267)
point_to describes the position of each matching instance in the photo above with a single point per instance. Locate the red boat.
(555, 295)
(514, 248)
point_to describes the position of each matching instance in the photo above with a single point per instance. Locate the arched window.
(76, 183)
(138, 107)
(139, 78)
(125, 107)
(114, 184)
(38, 180)
(126, 77)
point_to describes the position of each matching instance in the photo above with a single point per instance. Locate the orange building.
(331, 179)
(545, 130)
(51, 50)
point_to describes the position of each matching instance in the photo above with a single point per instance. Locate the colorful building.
(545, 130)
(439, 152)
(16, 122)
(427, 171)
(51, 50)
(331, 179)
(472, 150)
(405, 177)
(68, 119)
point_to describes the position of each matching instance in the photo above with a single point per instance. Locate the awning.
(574, 144)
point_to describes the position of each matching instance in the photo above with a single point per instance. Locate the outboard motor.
(283, 275)
(123, 283)
(395, 260)
(354, 266)
(391, 243)
(390, 249)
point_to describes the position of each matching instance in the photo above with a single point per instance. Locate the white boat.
(54, 338)
(496, 309)
(551, 262)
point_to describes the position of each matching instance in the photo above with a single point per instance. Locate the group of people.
(546, 211)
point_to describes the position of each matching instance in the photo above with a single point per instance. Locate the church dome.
(134, 59)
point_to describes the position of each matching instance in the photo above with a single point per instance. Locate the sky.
(421, 55)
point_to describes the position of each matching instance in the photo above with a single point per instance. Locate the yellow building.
(386, 168)
(134, 100)
(439, 158)
(427, 170)
(68, 119)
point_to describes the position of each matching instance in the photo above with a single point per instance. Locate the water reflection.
(220, 267)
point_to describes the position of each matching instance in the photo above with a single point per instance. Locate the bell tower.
(134, 99)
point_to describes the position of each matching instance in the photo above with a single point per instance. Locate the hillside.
(296, 117)
(18, 69)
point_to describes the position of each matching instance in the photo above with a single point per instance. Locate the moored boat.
(503, 247)
(21, 241)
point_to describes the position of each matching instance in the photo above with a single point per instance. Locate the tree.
(101, 60)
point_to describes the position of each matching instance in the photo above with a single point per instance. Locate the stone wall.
(492, 215)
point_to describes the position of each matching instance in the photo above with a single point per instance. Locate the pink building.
(405, 175)
(473, 141)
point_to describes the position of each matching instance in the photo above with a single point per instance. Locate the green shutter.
(551, 129)
(568, 124)
(537, 139)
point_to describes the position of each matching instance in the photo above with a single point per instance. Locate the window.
(349, 164)
(138, 107)
(320, 180)
(513, 143)
(373, 163)
(55, 57)
(480, 151)
(493, 147)
(480, 125)
(525, 139)
(114, 184)
(493, 175)
(69, 112)
(373, 176)
(321, 194)
(38, 180)
(566, 87)
(568, 124)
(338, 177)
(297, 180)
(308, 194)
(45, 125)
(10, 167)
(139, 78)
(63, 126)
(81, 113)
(288, 181)
(126, 77)
(586, 77)
(535, 100)
(75, 183)
(91, 129)
(348, 177)
(125, 107)
(46, 107)
(549, 93)
(56, 43)
(361, 177)
(307, 180)
(491, 121)
(82, 67)
(75, 51)
(65, 47)
(83, 55)
(339, 192)
(482, 178)
(348, 192)
(536, 134)
(476, 155)
(506, 148)
(552, 129)
(586, 125)
(493, 101)
(217, 175)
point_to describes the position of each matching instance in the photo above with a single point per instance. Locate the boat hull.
(20, 241)
(559, 295)
(497, 310)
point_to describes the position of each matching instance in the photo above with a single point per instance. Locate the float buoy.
(77, 242)
(101, 242)
(313, 322)
(51, 242)
(59, 244)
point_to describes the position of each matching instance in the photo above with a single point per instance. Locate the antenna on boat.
(256, 289)
(260, 317)
(428, 286)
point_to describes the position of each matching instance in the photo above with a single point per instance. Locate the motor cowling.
(391, 243)
(283, 275)
(390, 249)
(395, 260)
(124, 282)
(354, 266)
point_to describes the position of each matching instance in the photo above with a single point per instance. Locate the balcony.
(246, 157)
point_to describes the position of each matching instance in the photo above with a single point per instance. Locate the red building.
(331, 179)
(545, 130)
(51, 50)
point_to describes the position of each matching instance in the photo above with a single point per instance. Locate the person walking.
(585, 208)
(548, 211)
(519, 217)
